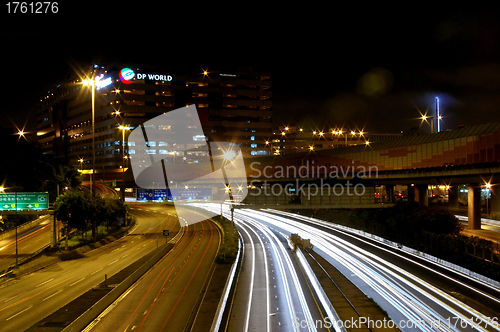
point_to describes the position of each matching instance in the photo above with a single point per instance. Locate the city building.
(233, 105)
(286, 140)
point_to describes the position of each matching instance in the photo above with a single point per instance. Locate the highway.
(165, 298)
(414, 292)
(28, 242)
(417, 294)
(272, 293)
(26, 300)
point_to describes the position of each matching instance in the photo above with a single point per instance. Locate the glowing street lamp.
(123, 128)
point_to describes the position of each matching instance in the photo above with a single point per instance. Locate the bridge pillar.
(453, 198)
(495, 200)
(474, 208)
(410, 189)
(422, 194)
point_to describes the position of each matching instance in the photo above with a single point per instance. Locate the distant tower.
(438, 115)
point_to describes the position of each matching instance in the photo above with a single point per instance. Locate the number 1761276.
(14, 7)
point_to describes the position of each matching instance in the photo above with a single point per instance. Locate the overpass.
(365, 176)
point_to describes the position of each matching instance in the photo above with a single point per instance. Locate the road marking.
(113, 262)
(43, 283)
(96, 271)
(125, 255)
(19, 313)
(48, 297)
(12, 298)
(77, 281)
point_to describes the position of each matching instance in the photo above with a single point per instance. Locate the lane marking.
(77, 281)
(113, 262)
(20, 312)
(48, 297)
(43, 283)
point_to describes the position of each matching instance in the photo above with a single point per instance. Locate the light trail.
(388, 284)
(293, 290)
(408, 297)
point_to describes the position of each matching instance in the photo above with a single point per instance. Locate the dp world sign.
(24, 201)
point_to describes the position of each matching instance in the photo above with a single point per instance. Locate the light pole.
(338, 133)
(123, 128)
(91, 83)
(425, 117)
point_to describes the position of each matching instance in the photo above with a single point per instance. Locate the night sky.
(373, 70)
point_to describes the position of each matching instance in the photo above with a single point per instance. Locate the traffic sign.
(166, 232)
(23, 201)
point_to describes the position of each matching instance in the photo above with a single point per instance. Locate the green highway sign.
(24, 201)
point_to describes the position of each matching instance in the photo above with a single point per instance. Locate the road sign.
(24, 201)
(166, 232)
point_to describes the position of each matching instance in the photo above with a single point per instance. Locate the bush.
(229, 246)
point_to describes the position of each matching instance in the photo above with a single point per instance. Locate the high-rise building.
(234, 106)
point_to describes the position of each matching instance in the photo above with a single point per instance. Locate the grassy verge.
(79, 239)
(230, 238)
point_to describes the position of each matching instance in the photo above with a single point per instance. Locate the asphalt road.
(165, 298)
(409, 288)
(28, 241)
(26, 300)
(272, 293)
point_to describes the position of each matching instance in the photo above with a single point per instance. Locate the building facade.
(233, 105)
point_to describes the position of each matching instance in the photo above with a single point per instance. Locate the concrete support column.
(422, 194)
(474, 208)
(411, 192)
(495, 199)
(453, 198)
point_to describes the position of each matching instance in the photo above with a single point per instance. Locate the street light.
(123, 128)
(426, 117)
(91, 83)
(488, 187)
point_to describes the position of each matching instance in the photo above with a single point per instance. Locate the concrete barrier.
(229, 288)
(88, 316)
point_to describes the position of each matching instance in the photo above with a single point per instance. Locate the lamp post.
(91, 83)
(425, 117)
(338, 133)
(123, 128)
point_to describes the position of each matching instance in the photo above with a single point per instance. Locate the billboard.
(24, 201)
(173, 194)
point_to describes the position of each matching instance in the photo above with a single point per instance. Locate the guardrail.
(415, 252)
(23, 260)
(22, 227)
(327, 306)
(228, 288)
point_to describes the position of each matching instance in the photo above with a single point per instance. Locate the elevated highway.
(467, 157)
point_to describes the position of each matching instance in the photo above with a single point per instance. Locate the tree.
(74, 208)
